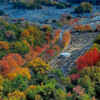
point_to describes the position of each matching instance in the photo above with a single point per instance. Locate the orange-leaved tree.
(4, 45)
(66, 38)
(19, 71)
(10, 62)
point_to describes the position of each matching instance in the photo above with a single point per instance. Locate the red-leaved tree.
(90, 58)
(50, 52)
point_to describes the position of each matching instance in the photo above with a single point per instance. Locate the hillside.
(49, 50)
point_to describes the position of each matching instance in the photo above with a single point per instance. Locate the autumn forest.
(49, 50)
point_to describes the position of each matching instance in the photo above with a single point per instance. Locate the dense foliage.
(24, 75)
(29, 40)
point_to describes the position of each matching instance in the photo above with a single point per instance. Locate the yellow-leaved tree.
(38, 65)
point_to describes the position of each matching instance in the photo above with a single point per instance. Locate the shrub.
(33, 35)
(25, 72)
(65, 80)
(50, 52)
(3, 53)
(86, 83)
(95, 45)
(57, 72)
(1, 86)
(19, 47)
(94, 74)
(16, 95)
(46, 91)
(4, 45)
(31, 92)
(74, 77)
(60, 94)
(38, 97)
(84, 97)
(38, 78)
(78, 90)
(4, 48)
(7, 87)
(39, 66)
(20, 83)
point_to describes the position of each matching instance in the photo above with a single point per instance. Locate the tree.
(16, 95)
(39, 66)
(90, 58)
(66, 38)
(21, 47)
(50, 52)
(10, 63)
(25, 72)
(4, 45)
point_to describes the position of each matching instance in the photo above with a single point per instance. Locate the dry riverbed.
(80, 43)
